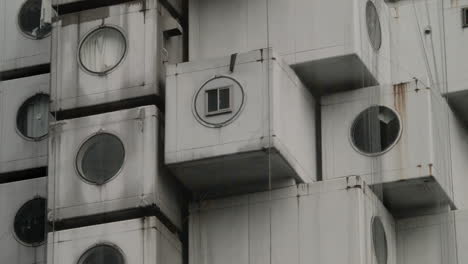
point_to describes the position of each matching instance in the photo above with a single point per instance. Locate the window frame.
(218, 101)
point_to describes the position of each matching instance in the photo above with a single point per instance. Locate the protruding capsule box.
(23, 218)
(25, 33)
(105, 55)
(396, 136)
(24, 123)
(110, 163)
(333, 45)
(138, 241)
(246, 128)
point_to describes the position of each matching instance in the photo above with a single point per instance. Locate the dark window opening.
(218, 101)
(30, 221)
(102, 254)
(375, 130)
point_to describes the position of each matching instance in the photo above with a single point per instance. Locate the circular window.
(219, 101)
(102, 254)
(32, 119)
(100, 158)
(375, 130)
(379, 240)
(30, 221)
(373, 25)
(29, 20)
(102, 50)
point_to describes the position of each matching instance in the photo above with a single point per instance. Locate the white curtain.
(103, 50)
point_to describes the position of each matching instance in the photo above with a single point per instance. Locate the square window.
(465, 17)
(218, 101)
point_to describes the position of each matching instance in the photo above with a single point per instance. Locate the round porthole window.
(379, 240)
(29, 225)
(219, 101)
(29, 20)
(373, 25)
(100, 158)
(375, 130)
(101, 254)
(102, 50)
(32, 119)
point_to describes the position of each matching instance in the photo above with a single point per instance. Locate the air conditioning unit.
(138, 241)
(333, 45)
(24, 123)
(109, 163)
(225, 128)
(23, 218)
(433, 239)
(328, 222)
(105, 55)
(392, 135)
(25, 33)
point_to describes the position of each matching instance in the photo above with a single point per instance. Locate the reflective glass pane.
(373, 25)
(31, 19)
(30, 222)
(224, 97)
(33, 117)
(102, 50)
(379, 240)
(212, 96)
(375, 130)
(100, 158)
(102, 254)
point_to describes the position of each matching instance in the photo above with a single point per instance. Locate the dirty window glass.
(100, 158)
(379, 240)
(33, 117)
(29, 223)
(102, 50)
(102, 254)
(375, 130)
(373, 25)
(34, 19)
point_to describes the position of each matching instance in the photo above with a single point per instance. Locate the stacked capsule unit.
(110, 197)
(24, 120)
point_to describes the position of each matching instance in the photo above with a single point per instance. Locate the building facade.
(233, 131)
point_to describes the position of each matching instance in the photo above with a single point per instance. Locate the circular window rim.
(376, 49)
(88, 34)
(86, 252)
(13, 225)
(77, 155)
(391, 146)
(21, 30)
(33, 139)
(372, 238)
(232, 118)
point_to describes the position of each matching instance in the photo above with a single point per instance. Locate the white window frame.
(219, 111)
